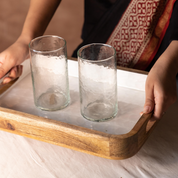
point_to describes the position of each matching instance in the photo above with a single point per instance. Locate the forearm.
(168, 61)
(38, 17)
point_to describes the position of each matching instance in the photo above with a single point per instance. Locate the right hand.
(11, 58)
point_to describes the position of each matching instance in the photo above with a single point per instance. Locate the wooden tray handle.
(127, 145)
(142, 129)
(150, 124)
(145, 124)
(4, 87)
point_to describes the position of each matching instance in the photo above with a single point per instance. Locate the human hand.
(14, 73)
(10, 61)
(160, 90)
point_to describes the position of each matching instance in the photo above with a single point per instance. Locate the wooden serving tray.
(111, 146)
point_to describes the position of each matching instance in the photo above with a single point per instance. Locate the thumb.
(4, 68)
(6, 63)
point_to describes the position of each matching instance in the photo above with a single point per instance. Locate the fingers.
(158, 100)
(6, 63)
(149, 100)
(14, 73)
(160, 106)
(154, 101)
(149, 105)
(13, 56)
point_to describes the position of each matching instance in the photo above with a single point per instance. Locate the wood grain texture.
(75, 137)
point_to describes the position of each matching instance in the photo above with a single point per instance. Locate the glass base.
(99, 112)
(52, 101)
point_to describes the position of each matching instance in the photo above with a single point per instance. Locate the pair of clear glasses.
(97, 77)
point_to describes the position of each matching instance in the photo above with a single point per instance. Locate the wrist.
(24, 39)
(168, 61)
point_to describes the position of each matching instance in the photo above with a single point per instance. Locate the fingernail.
(6, 80)
(146, 109)
(141, 113)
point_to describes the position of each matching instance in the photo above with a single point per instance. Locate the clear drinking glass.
(98, 82)
(49, 70)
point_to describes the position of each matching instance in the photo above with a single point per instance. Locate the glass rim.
(46, 36)
(102, 60)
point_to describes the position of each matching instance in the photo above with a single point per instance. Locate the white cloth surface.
(21, 157)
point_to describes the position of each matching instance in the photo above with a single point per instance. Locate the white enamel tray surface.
(131, 97)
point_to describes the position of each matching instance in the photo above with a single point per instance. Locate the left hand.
(160, 91)
(160, 86)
